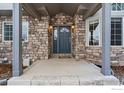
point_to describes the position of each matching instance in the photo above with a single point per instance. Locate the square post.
(106, 38)
(17, 45)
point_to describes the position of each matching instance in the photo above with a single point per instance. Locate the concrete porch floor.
(63, 72)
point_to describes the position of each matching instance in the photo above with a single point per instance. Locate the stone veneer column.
(41, 35)
(37, 46)
(79, 37)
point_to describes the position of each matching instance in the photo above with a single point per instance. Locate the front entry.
(62, 39)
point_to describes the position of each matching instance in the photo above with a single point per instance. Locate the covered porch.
(63, 72)
(60, 68)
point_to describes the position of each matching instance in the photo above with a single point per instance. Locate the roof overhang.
(37, 10)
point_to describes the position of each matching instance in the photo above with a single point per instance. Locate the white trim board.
(27, 23)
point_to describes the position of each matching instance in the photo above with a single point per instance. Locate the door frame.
(53, 37)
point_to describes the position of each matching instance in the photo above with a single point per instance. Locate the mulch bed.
(6, 70)
(118, 70)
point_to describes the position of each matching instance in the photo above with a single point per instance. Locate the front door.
(62, 39)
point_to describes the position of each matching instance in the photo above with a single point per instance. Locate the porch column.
(17, 46)
(106, 35)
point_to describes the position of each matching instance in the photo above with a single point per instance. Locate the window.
(25, 31)
(94, 32)
(116, 31)
(7, 31)
(118, 6)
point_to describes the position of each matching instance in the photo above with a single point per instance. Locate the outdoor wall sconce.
(72, 28)
(50, 28)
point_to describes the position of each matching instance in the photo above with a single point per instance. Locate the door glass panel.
(55, 36)
(55, 33)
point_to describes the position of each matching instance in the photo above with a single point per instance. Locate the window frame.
(3, 40)
(87, 31)
(27, 31)
(116, 7)
(122, 31)
(98, 15)
(93, 22)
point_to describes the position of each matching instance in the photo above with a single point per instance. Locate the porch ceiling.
(51, 9)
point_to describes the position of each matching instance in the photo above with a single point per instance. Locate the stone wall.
(5, 47)
(92, 53)
(95, 54)
(79, 49)
(37, 46)
(38, 40)
(62, 19)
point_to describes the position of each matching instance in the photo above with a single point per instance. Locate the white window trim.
(12, 36)
(115, 15)
(116, 8)
(123, 31)
(119, 14)
(122, 45)
(3, 31)
(27, 31)
(87, 31)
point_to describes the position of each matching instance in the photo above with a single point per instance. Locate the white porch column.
(106, 36)
(17, 46)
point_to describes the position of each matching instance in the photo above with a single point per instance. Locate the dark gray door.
(62, 39)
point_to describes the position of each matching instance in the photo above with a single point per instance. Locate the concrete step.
(65, 80)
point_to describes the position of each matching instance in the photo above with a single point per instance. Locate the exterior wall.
(5, 47)
(38, 41)
(94, 53)
(37, 46)
(79, 37)
(62, 19)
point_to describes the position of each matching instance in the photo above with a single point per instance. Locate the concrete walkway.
(63, 72)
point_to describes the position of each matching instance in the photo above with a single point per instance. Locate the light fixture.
(72, 26)
(51, 27)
